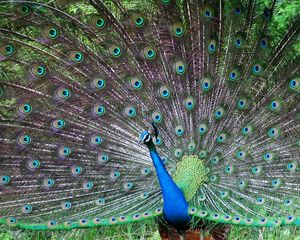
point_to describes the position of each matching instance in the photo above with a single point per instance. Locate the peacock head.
(145, 137)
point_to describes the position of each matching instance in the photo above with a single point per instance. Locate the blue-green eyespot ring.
(63, 93)
(130, 112)
(219, 113)
(115, 50)
(202, 129)
(212, 46)
(58, 123)
(136, 83)
(164, 92)
(4, 179)
(34, 164)
(189, 103)
(25, 108)
(149, 53)
(24, 139)
(99, 83)
(49, 182)
(27, 208)
(179, 131)
(294, 84)
(99, 110)
(206, 84)
(257, 69)
(180, 67)
(156, 117)
(64, 151)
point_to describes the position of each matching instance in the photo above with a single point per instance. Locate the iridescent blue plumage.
(175, 206)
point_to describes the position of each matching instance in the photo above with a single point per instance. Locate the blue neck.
(175, 206)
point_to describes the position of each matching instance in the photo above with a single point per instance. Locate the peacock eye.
(287, 202)
(25, 108)
(241, 154)
(156, 117)
(76, 56)
(291, 166)
(207, 13)
(256, 170)
(202, 129)
(63, 93)
(38, 70)
(180, 67)
(24, 9)
(88, 185)
(99, 110)
(257, 69)
(49, 182)
(76, 170)
(238, 42)
(52, 33)
(237, 11)
(100, 201)
(9, 50)
(189, 103)
(242, 103)
(128, 185)
(234, 75)
(146, 171)
(166, 2)
(103, 158)
(294, 84)
(219, 113)
(66, 205)
(247, 130)
(224, 195)
(276, 183)
(99, 83)
(34, 164)
(96, 140)
(177, 29)
(273, 132)
(139, 21)
(149, 53)
(275, 106)
(206, 84)
(64, 151)
(115, 175)
(179, 131)
(24, 139)
(221, 138)
(58, 123)
(178, 153)
(268, 156)
(4, 179)
(212, 47)
(164, 92)
(263, 43)
(136, 83)
(130, 112)
(202, 154)
(100, 23)
(115, 50)
(215, 160)
(228, 169)
(27, 208)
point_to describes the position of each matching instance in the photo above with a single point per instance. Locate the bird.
(118, 111)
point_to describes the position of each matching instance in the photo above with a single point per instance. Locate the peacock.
(119, 111)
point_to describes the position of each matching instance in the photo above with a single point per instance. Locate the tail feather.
(80, 81)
